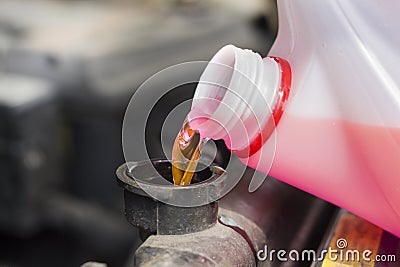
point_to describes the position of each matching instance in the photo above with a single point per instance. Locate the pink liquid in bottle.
(351, 165)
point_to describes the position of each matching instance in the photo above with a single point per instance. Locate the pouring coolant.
(322, 111)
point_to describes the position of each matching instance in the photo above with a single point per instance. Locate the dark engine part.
(30, 160)
(277, 215)
(155, 217)
(32, 188)
(179, 236)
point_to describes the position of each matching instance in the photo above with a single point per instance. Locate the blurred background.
(67, 72)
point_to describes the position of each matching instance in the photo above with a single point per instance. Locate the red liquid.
(354, 166)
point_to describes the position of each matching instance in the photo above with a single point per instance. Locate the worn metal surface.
(216, 246)
(351, 236)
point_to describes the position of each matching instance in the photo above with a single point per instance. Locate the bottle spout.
(240, 98)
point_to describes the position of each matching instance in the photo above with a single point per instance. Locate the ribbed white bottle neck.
(237, 92)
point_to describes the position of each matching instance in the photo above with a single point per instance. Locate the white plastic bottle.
(327, 103)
